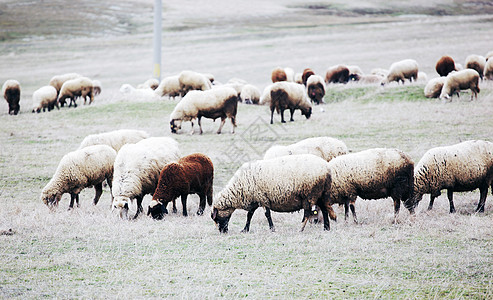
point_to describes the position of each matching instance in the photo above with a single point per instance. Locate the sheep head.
(175, 125)
(121, 203)
(307, 112)
(157, 210)
(221, 218)
(51, 200)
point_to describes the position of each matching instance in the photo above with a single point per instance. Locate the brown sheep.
(192, 174)
(11, 91)
(278, 74)
(289, 95)
(476, 62)
(306, 74)
(337, 74)
(445, 65)
(315, 88)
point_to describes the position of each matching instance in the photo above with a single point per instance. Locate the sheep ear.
(214, 214)
(148, 210)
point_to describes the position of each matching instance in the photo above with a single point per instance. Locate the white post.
(157, 39)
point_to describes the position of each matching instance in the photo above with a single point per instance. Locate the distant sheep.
(190, 80)
(372, 174)
(306, 74)
(250, 94)
(488, 69)
(192, 174)
(74, 88)
(115, 139)
(434, 87)
(380, 72)
(289, 95)
(458, 168)
(169, 86)
(11, 91)
(44, 98)
(137, 169)
(367, 79)
(283, 184)
(461, 80)
(298, 78)
(337, 74)
(402, 70)
(355, 70)
(324, 147)
(97, 87)
(58, 80)
(476, 62)
(289, 74)
(151, 83)
(278, 74)
(77, 170)
(445, 65)
(220, 102)
(315, 88)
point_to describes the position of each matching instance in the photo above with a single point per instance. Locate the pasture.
(90, 253)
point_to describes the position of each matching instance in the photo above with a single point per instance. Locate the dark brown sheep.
(306, 74)
(12, 93)
(278, 74)
(445, 65)
(192, 174)
(289, 95)
(337, 74)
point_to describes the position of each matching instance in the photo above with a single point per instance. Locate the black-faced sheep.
(137, 169)
(284, 184)
(289, 95)
(488, 70)
(445, 65)
(250, 94)
(372, 174)
(278, 74)
(58, 80)
(337, 74)
(323, 146)
(306, 74)
(434, 87)
(192, 174)
(11, 91)
(190, 80)
(315, 88)
(402, 70)
(461, 167)
(220, 102)
(169, 86)
(461, 80)
(80, 169)
(115, 139)
(74, 88)
(44, 98)
(476, 62)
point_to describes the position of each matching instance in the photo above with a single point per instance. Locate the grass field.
(90, 253)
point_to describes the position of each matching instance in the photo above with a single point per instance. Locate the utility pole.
(157, 39)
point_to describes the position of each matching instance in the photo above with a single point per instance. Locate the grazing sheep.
(283, 184)
(337, 74)
(169, 86)
(306, 74)
(289, 95)
(372, 174)
(445, 65)
(324, 147)
(44, 98)
(402, 70)
(278, 74)
(354, 70)
(57, 81)
(77, 170)
(315, 88)
(434, 87)
(97, 87)
(137, 169)
(78, 87)
(367, 79)
(461, 80)
(250, 94)
(380, 72)
(115, 139)
(151, 83)
(220, 102)
(476, 62)
(461, 167)
(488, 70)
(190, 80)
(11, 91)
(289, 74)
(192, 174)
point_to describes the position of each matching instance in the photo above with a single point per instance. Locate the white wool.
(315, 79)
(324, 147)
(58, 80)
(460, 80)
(298, 78)
(296, 93)
(265, 98)
(289, 74)
(11, 83)
(476, 61)
(434, 87)
(169, 86)
(44, 97)
(115, 139)
(488, 69)
(401, 70)
(126, 88)
(151, 83)
(190, 80)
(250, 93)
(80, 86)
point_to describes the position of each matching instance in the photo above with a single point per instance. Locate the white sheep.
(434, 87)
(476, 62)
(137, 169)
(250, 94)
(289, 74)
(115, 139)
(402, 70)
(461, 80)
(58, 80)
(458, 168)
(169, 86)
(288, 95)
(220, 102)
(44, 98)
(488, 69)
(80, 169)
(283, 184)
(74, 88)
(315, 88)
(11, 91)
(190, 80)
(151, 83)
(324, 147)
(372, 174)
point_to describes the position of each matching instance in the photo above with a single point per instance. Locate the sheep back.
(11, 91)
(190, 80)
(44, 98)
(78, 87)
(169, 86)
(115, 139)
(289, 95)
(325, 147)
(337, 74)
(434, 87)
(58, 80)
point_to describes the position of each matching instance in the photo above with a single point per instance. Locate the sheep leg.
(432, 199)
(483, 192)
(353, 210)
(184, 204)
(324, 211)
(249, 218)
(282, 116)
(174, 207)
(223, 120)
(199, 120)
(291, 110)
(99, 191)
(269, 219)
(201, 205)
(397, 206)
(450, 195)
(346, 210)
(233, 122)
(73, 197)
(272, 115)
(139, 206)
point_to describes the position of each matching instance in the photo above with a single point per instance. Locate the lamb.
(315, 88)
(220, 102)
(250, 94)
(461, 80)
(434, 87)
(476, 62)
(488, 69)
(461, 167)
(77, 170)
(11, 91)
(151, 83)
(115, 139)
(190, 80)
(44, 98)
(283, 184)
(192, 174)
(324, 147)
(57, 81)
(78, 87)
(137, 169)
(289, 95)
(372, 174)
(402, 70)
(337, 74)
(278, 74)
(97, 87)
(169, 86)
(445, 65)
(306, 74)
